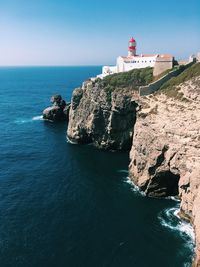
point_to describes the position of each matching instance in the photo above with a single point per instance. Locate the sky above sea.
(66, 32)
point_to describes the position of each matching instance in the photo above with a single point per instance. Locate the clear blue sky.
(86, 32)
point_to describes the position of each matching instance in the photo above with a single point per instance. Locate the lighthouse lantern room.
(132, 47)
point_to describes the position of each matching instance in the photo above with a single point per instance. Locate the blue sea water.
(69, 205)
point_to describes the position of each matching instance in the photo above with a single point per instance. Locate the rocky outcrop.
(101, 117)
(59, 111)
(165, 152)
(165, 155)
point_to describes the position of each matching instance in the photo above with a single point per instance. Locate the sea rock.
(100, 117)
(165, 154)
(59, 111)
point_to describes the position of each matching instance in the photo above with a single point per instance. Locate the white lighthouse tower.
(132, 47)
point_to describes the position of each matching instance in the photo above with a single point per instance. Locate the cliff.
(165, 154)
(162, 130)
(103, 112)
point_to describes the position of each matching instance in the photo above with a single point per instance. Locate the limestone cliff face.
(164, 138)
(99, 117)
(165, 155)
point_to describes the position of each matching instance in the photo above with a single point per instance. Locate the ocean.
(72, 205)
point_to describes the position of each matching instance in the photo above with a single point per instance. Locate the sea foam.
(70, 141)
(133, 186)
(37, 118)
(27, 120)
(169, 218)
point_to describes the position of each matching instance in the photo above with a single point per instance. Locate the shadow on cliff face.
(163, 184)
(106, 122)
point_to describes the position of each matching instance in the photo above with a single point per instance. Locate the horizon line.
(87, 65)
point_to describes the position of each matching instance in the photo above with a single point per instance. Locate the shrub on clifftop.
(130, 79)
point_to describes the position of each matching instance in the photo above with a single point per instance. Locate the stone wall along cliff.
(154, 86)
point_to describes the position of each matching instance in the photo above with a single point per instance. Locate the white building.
(133, 61)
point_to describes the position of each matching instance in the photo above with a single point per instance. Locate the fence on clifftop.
(154, 86)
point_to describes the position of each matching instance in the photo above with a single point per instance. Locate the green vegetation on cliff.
(171, 88)
(130, 80)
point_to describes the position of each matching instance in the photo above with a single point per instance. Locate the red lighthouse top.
(132, 40)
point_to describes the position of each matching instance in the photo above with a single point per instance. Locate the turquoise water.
(68, 205)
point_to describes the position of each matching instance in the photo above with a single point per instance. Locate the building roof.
(165, 56)
(161, 56)
(136, 57)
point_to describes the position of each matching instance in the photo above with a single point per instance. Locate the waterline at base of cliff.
(69, 205)
(161, 129)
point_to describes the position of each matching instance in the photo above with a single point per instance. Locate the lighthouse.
(160, 62)
(132, 47)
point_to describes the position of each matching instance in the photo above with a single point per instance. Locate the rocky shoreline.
(165, 157)
(161, 131)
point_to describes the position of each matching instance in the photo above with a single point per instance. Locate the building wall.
(135, 63)
(125, 64)
(120, 64)
(161, 66)
(106, 70)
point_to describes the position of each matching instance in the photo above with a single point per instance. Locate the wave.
(170, 219)
(37, 118)
(133, 186)
(70, 141)
(23, 120)
(173, 198)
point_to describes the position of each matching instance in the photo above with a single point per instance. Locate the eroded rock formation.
(59, 111)
(165, 152)
(101, 118)
(165, 155)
